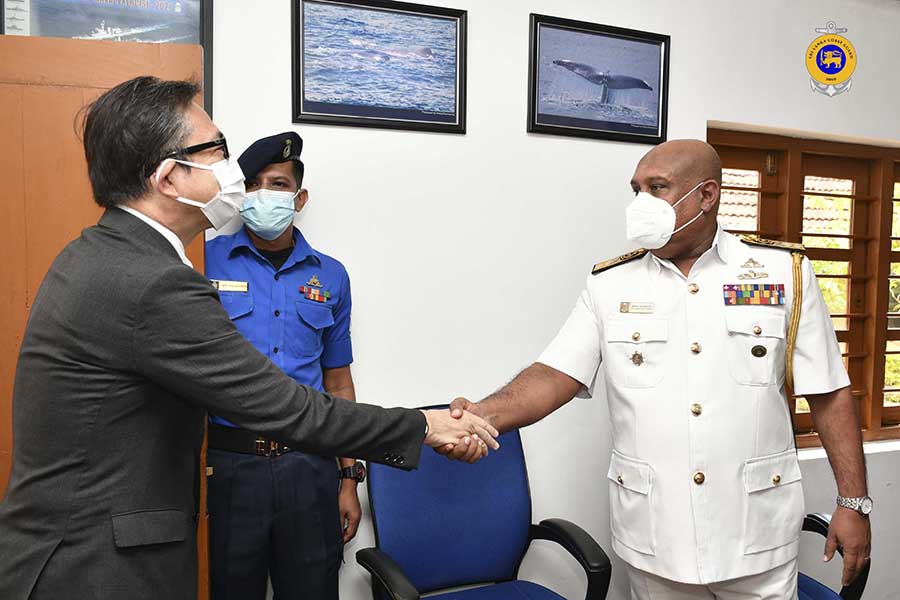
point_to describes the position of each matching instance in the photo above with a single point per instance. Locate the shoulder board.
(755, 240)
(619, 260)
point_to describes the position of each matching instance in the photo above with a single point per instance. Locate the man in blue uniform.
(276, 512)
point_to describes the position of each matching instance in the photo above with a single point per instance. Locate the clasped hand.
(459, 433)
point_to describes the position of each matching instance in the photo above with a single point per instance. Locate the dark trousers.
(276, 517)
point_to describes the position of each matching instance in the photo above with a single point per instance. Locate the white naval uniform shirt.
(688, 395)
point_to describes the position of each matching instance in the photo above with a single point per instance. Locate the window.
(841, 201)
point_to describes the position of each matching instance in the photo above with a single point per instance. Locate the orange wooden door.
(46, 200)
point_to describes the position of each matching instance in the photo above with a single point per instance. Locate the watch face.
(360, 472)
(866, 505)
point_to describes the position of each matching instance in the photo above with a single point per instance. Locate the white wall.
(467, 252)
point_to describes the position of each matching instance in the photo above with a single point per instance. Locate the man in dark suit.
(126, 349)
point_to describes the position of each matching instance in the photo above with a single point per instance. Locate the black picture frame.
(204, 37)
(310, 84)
(559, 104)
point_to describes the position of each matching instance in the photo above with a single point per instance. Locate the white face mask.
(650, 221)
(225, 205)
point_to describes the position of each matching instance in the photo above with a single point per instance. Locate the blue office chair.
(450, 525)
(809, 588)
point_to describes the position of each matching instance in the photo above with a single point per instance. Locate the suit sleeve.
(184, 342)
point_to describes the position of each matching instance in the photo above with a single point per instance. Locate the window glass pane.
(893, 346)
(826, 214)
(895, 223)
(802, 406)
(897, 189)
(830, 267)
(893, 302)
(739, 210)
(827, 185)
(892, 371)
(895, 269)
(740, 178)
(891, 399)
(825, 242)
(840, 323)
(835, 293)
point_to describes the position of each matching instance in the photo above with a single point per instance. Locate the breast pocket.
(305, 335)
(635, 351)
(755, 345)
(773, 511)
(236, 304)
(630, 503)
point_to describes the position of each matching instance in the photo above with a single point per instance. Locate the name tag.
(753, 294)
(636, 308)
(229, 286)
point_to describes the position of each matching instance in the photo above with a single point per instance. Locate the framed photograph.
(153, 21)
(376, 63)
(597, 81)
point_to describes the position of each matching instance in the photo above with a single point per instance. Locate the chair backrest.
(810, 589)
(449, 524)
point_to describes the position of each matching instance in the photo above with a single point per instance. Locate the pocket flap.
(236, 304)
(771, 471)
(144, 527)
(748, 321)
(637, 330)
(316, 315)
(629, 473)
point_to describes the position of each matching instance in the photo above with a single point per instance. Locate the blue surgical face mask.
(268, 213)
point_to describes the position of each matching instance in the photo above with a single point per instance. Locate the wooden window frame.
(783, 162)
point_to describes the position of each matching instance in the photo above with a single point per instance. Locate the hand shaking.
(468, 449)
(460, 429)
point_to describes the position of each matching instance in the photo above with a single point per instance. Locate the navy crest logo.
(830, 60)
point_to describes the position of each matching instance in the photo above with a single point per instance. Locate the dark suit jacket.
(125, 350)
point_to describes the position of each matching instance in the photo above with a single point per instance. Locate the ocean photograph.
(377, 63)
(157, 21)
(593, 77)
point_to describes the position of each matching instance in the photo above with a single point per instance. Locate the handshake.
(459, 433)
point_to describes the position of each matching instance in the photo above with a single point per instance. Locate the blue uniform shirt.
(274, 311)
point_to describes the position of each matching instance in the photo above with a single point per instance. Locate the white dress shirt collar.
(163, 231)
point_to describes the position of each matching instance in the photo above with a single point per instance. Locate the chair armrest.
(583, 547)
(818, 523)
(387, 576)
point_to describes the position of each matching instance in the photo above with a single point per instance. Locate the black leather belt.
(232, 439)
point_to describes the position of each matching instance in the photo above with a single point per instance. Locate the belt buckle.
(262, 447)
(274, 448)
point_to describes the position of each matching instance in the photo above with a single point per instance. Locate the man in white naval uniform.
(704, 482)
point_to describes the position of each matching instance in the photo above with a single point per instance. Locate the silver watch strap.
(851, 503)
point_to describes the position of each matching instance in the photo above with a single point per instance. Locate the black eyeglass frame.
(193, 150)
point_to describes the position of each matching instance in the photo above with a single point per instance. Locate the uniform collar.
(720, 245)
(302, 249)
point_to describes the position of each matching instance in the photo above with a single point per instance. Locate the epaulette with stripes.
(619, 260)
(755, 240)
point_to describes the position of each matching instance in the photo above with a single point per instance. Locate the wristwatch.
(356, 472)
(861, 505)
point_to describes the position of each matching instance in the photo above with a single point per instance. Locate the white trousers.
(779, 583)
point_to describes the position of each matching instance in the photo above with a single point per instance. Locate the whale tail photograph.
(592, 80)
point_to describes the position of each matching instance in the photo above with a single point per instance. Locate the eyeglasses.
(187, 151)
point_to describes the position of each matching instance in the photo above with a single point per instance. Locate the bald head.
(690, 160)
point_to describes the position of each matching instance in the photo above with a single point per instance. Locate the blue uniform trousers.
(273, 516)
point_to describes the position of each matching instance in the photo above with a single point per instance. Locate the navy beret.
(273, 149)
